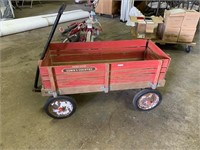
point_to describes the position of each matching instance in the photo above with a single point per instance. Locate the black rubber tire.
(63, 98)
(188, 49)
(140, 94)
(75, 38)
(66, 31)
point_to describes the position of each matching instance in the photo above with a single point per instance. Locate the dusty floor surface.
(102, 121)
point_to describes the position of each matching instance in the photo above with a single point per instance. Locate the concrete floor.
(102, 121)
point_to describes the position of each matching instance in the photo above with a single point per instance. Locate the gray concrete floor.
(102, 121)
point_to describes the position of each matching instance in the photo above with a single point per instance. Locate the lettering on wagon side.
(87, 69)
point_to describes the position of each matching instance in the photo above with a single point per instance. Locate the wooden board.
(108, 7)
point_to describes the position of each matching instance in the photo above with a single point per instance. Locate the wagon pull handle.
(60, 12)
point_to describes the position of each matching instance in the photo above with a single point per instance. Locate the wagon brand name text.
(79, 69)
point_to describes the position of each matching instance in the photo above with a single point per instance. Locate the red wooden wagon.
(71, 68)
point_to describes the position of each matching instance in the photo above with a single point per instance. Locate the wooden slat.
(163, 70)
(137, 70)
(97, 57)
(98, 44)
(107, 77)
(131, 76)
(157, 50)
(46, 84)
(79, 75)
(136, 64)
(162, 76)
(97, 51)
(43, 71)
(148, 78)
(155, 81)
(135, 85)
(132, 71)
(95, 61)
(151, 55)
(81, 89)
(52, 80)
(45, 77)
(166, 63)
(80, 82)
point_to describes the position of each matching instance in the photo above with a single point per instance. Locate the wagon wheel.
(147, 99)
(60, 107)
(188, 49)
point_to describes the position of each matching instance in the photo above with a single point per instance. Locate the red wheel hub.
(60, 109)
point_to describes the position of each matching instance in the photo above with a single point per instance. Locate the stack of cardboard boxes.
(145, 27)
(189, 26)
(179, 25)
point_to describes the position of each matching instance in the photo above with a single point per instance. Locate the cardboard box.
(146, 25)
(150, 36)
(167, 33)
(133, 32)
(160, 31)
(191, 19)
(186, 35)
(140, 35)
(141, 27)
(171, 34)
(174, 18)
(150, 26)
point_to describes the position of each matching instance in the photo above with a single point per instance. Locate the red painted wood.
(80, 82)
(165, 63)
(47, 60)
(155, 81)
(52, 79)
(43, 71)
(45, 78)
(134, 64)
(97, 57)
(133, 72)
(78, 75)
(96, 51)
(150, 55)
(73, 82)
(162, 76)
(107, 78)
(131, 79)
(157, 50)
(46, 84)
(98, 44)
(163, 70)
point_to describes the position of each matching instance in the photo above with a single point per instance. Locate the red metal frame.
(70, 68)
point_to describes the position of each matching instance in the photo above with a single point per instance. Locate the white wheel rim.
(148, 101)
(61, 108)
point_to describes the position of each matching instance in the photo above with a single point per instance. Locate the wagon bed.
(70, 68)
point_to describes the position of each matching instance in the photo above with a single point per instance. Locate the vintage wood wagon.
(71, 68)
(74, 68)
